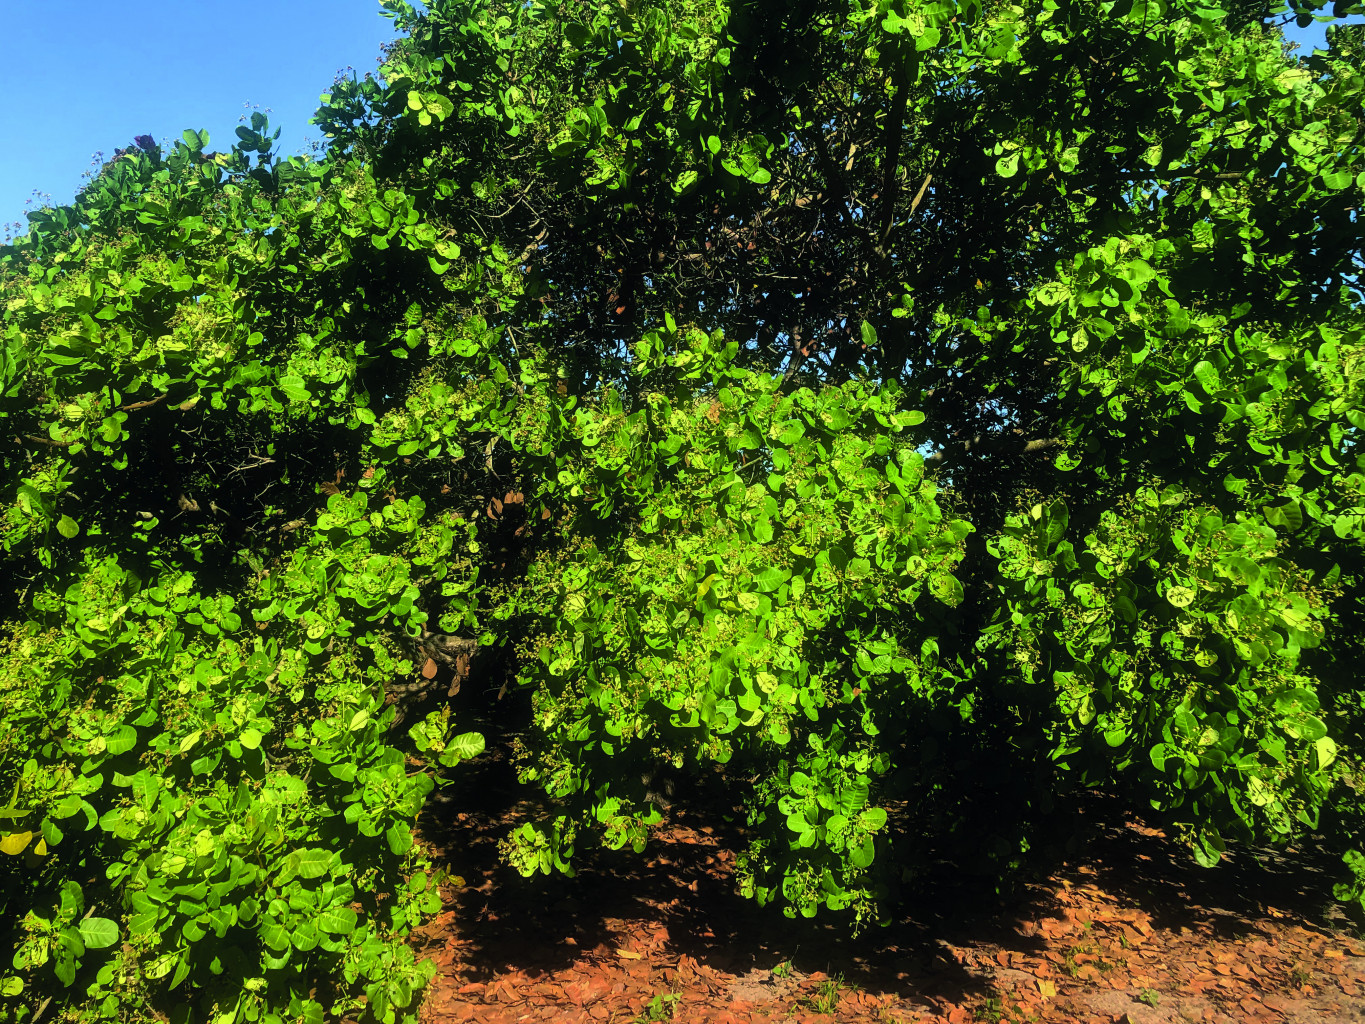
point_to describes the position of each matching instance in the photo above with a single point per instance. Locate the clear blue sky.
(89, 75)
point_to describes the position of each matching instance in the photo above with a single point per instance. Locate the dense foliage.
(882, 420)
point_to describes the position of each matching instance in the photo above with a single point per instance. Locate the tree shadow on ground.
(682, 888)
(1149, 869)
(683, 883)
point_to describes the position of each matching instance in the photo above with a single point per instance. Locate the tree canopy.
(896, 418)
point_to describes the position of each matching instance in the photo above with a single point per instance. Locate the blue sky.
(88, 75)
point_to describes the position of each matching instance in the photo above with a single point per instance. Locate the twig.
(261, 460)
(1153, 174)
(143, 405)
(47, 440)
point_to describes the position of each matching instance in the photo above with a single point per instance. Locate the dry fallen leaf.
(1046, 989)
(628, 954)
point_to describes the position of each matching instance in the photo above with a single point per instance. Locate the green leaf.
(68, 527)
(1326, 749)
(294, 388)
(399, 838)
(1209, 848)
(947, 589)
(1053, 293)
(98, 932)
(1308, 728)
(337, 921)
(1180, 597)
(872, 818)
(120, 740)
(1296, 701)
(1207, 377)
(770, 579)
(467, 745)
(311, 863)
(862, 855)
(685, 182)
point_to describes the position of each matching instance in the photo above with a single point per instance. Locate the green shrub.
(873, 450)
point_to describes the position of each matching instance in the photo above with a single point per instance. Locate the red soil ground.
(1135, 934)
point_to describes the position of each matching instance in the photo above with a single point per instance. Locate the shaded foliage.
(840, 408)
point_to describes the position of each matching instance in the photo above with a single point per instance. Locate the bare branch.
(143, 405)
(914, 203)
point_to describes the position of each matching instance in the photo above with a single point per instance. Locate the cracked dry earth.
(1135, 934)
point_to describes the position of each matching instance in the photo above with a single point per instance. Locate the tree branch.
(895, 131)
(143, 405)
(996, 444)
